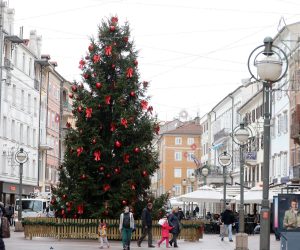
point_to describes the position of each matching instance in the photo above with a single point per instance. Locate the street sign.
(21, 156)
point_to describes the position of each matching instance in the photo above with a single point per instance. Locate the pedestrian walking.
(126, 226)
(146, 225)
(227, 219)
(2, 214)
(165, 231)
(102, 233)
(175, 224)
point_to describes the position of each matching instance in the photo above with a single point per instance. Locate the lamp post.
(240, 136)
(192, 179)
(271, 65)
(224, 161)
(204, 172)
(21, 157)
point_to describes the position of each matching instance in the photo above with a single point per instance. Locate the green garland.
(93, 224)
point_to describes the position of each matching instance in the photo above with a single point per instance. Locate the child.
(165, 228)
(102, 233)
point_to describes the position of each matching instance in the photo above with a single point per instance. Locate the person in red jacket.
(165, 228)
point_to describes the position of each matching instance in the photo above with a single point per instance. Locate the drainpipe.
(232, 124)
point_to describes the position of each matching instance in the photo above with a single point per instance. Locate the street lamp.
(204, 172)
(271, 65)
(21, 157)
(240, 136)
(224, 161)
(192, 179)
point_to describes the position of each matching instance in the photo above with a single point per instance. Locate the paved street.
(209, 242)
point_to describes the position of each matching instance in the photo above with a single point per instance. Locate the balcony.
(221, 134)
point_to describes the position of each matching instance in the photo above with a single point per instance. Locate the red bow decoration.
(150, 109)
(108, 50)
(80, 209)
(81, 64)
(88, 112)
(126, 158)
(114, 19)
(124, 122)
(129, 72)
(112, 127)
(144, 104)
(79, 150)
(97, 155)
(107, 99)
(96, 58)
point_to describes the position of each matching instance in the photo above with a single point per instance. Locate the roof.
(187, 128)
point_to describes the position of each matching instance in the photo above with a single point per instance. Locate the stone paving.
(209, 242)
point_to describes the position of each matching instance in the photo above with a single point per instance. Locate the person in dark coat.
(146, 225)
(175, 223)
(2, 213)
(227, 218)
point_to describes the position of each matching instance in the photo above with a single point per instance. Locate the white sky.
(193, 52)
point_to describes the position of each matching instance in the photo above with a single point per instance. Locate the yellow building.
(178, 144)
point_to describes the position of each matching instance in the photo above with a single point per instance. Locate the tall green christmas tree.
(109, 157)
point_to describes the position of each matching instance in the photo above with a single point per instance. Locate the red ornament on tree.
(132, 94)
(135, 62)
(62, 211)
(81, 64)
(108, 176)
(74, 88)
(129, 72)
(86, 75)
(106, 187)
(75, 216)
(80, 209)
(91, 47)
(114, 19)
(83, 177)
(94, 141)
(64, 196)
(136, 150)
(68, 125)
(112, 28)
(108, 50)
(118, 144)
(88, 112)
(124, 202)
(132, 187)
(96, 58)
(97, 155)
(99, 106)
(79, 109)
(112, 127)
(126, 158)
(125, 39)
(150, 109)
(156, 129)
(107, 99)
(98, 85)
(79, 151)
(144, 104)
(145, 173)
(71, 95)
(113, 66)
(101, 168)
(124, 122)
(117, 170)
(145, 84)
(68, 209)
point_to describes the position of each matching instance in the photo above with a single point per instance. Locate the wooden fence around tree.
(87, 229)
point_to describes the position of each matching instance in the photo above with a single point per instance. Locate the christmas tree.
(109, 156)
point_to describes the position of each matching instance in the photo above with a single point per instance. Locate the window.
(177, 189)
(5, 87)
(13, 130)
(189, 172)
(21, 133)
(34, 138)
(35, 107)
(33, 168)
(28, 135)
(177, 172)
(178, 156)
(3, 162)
(16, 56)
(30, 66)
(190, 141)
(29, 103)
(189, 189)
(22, 99)
(24, 62)
(4, 126)
(190, 156)
(178, 140)
(14, 93)
(285, 122)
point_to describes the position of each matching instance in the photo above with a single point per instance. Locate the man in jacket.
(227, 218)
(126, 226)
(146, 225)
(175, 223)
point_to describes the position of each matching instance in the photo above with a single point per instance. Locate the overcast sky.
(193, 52)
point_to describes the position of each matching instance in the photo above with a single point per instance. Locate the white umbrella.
(203, 194)
(174, 202)
(254, 195)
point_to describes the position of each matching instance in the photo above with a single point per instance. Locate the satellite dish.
(183, 114)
